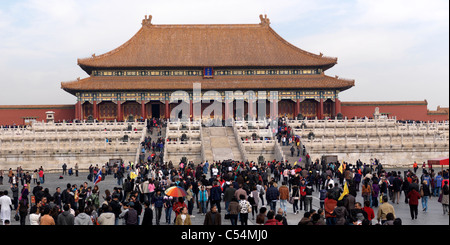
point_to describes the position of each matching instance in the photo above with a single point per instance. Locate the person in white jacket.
(35, 216)
(5, 202)
(83, 218)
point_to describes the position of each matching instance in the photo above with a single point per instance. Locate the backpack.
(251, 200)
(323, 194)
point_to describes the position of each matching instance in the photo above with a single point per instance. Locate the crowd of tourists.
(240, 190)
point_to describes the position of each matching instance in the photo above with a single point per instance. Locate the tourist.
(93, 198)
(233, 210)
(66, 218)
(271, 219)
(261, 218)
(35, 215)
(397, 187)
(82, 218)
(272, 196)
(375, 194)
(168, 207)
(413, 197)
(212, 217)
(366, 190)
(389, 219)
(131, 216)
(369, 211)
(107, 217)
(425, 193)
(384, 209)
(308, 197)
(22, 210)
(341, 213)
(254, 195)
(216, 195)
(405, 186)
(245, 209)
(6, 206)
(444, 199)
(148, 214)
(41, 175)
(295, 196)
(284, 196)
(203, 198)
(178, 206)
(190, 200)
(283, 217)
(306, 220)
(240, 192)
(183, 218)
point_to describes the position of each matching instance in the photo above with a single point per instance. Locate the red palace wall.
(409, 110)
(16, 114)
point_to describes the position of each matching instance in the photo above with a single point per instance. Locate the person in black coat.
(213, 217)
(215, 195)
(148, 214)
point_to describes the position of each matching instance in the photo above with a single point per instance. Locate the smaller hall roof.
(170, 83)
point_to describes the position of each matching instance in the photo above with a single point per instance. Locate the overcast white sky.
(394, 49)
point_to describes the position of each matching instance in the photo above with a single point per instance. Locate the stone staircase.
(287, 153)
(220, 144)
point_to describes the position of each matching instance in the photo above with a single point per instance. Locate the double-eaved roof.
(199, 46)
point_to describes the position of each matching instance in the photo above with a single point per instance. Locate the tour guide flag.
(345, 192)
(133, 175)
(98, 177)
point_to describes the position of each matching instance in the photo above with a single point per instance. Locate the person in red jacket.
(369, 211)
(413, 196)
(271, 219)
(330, 204)
(178, 206)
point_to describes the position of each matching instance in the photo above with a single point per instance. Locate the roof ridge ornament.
(147, 21)
(264, 20)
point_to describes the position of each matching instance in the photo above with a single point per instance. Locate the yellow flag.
(341, 168)
(295, 163)
(133, 175)
(345, 192)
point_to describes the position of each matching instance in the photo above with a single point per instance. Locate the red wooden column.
(337, 105)
(320, 116)
(95, 110)
(227, 110)
(78, 110)
(143, 114)
(250, 109)
(191, 109)
(297, 108)
(119, 111)
(167, 110)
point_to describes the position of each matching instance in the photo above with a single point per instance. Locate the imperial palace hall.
(246, 63)
(138, 78)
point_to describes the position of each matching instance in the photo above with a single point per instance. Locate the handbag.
(16, 217)
(440, 198)
(291, 200)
